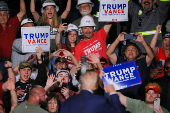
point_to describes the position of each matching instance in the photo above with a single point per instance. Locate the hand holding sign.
(34, 36)
(109, 88)
(101, 74)
(122, 75)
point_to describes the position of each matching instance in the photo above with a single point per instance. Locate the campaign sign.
(122, 75)
(34, 36)
(113, 10)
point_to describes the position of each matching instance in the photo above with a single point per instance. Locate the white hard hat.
(25, 21)
(72, 27)
(87, 21)
(83, 2)
(47, 3)
(140, 1)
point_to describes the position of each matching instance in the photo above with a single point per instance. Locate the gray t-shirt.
(138, 106)
(25, 107)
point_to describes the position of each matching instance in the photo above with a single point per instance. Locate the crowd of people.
(69, 78)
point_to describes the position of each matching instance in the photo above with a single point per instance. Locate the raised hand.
(8, 64)
(101, 74)
(39, 51)
(66, 53)
(10, 84)
(109, 88)
(62, 27)
(158, 28)
(50, 81)
(57, 53)
(121, 37)
(139, 37)
(93, 59)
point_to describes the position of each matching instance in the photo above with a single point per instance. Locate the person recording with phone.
(161, 53)
(131, 52)
(152, 94)
(164, 83)
(60, 85)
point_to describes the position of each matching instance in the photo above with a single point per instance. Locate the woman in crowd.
(70, 42)
(53, 103)
(49, 16)
(161, 53)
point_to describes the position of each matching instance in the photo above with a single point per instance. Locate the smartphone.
(64, 21)
(156, 103)
(130, 36)
(64, 85)
(83, 67)
(159, 63)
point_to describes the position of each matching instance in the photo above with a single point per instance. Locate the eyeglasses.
(85, 6)
(140, 22)
(166, 68)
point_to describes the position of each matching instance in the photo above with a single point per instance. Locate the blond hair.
(55, 21)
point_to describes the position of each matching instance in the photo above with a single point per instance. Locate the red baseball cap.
(153, 86)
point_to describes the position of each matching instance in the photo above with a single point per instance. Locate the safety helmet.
(25, 21)
(3, 6)
(47, 3)
(83, 2)
(87, 21)
(72, 27)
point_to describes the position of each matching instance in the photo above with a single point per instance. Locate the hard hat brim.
(77, 6)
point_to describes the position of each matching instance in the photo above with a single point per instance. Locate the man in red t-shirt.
(93, 42)
(8, 31)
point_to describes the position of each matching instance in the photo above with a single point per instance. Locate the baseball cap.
(62, 70)
(153, 86)
(24, 65)
(3, 6)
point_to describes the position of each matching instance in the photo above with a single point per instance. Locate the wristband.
(58, 32)
(32, 61)
(8, 67)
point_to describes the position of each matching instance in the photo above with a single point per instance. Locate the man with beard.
(164, 82)
(93, 42)
(152, 91)
(85, 8)
(146, 17)
(37, 96)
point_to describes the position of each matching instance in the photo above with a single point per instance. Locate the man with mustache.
(146, 17)
(152, 91)
(93, 42)
(85, 8)
(164, 83)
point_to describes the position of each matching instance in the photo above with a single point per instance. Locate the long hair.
(55, 21)
(67, 43)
